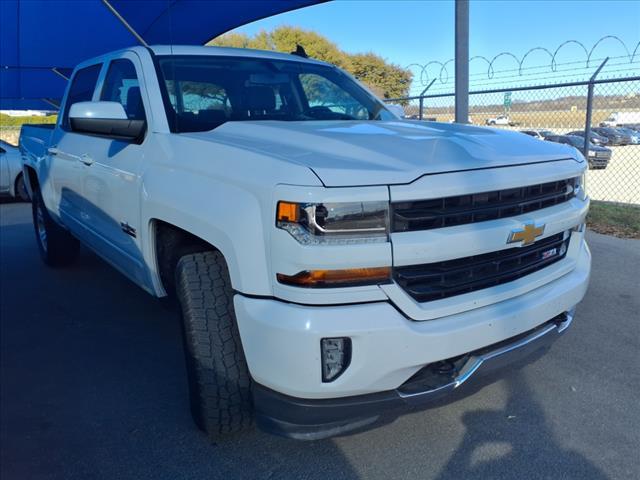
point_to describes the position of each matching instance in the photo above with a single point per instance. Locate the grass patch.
(7, 121)
(614, 219)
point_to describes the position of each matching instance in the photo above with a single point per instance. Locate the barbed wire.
(532, 78)
(538, 81)
(443, 75)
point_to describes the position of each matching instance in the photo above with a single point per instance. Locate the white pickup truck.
(332, 262)
(500, 120)
(622, 119)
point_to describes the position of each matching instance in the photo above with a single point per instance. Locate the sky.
(408, 32)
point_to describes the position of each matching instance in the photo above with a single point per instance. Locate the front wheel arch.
(170, 243)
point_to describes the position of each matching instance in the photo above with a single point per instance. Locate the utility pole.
(462, 61)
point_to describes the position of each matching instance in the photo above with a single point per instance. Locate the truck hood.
(354, 153)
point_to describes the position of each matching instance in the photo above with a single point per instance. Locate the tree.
(390, 79)
(387, 80)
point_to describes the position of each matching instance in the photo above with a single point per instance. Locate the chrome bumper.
(484, 362)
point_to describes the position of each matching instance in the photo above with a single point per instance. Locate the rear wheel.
(57, 246)
(219, 380)
(20, 189)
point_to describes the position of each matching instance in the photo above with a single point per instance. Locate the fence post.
(587, 127)
(422, 97)
(462, 61)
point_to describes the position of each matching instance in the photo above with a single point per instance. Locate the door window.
(81, 90)
(121, 85)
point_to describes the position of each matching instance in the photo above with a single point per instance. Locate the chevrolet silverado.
(332, 262)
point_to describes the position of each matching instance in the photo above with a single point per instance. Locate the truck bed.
(34, 141)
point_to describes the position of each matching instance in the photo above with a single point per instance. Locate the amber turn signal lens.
(288, 212)
(337, 278)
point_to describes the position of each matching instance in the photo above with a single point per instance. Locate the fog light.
(336, 356)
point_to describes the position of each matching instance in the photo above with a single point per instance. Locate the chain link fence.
(550, 113)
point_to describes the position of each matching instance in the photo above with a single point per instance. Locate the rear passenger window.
(121, 85)
(81, 90)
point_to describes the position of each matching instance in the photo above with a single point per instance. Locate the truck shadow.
(93, 368)
(517, 439)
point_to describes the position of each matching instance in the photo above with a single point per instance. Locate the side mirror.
(105, 119)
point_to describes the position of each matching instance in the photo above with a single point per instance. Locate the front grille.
(435, 281)
(479, 207)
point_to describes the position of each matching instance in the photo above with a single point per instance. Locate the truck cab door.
(111, 178)
(60, 181)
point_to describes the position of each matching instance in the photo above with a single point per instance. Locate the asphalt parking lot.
(93, 387)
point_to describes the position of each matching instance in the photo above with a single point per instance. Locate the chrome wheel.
(41, 228)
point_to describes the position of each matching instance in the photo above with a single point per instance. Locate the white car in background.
(11, 178)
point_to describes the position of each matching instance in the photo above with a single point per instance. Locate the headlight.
(335, 223)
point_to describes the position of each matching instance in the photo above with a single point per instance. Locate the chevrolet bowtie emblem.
(527, 234)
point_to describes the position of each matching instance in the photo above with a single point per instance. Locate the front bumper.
(282, 340)
(599, 162)
(305, 419)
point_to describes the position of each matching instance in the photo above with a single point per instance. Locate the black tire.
(57, 247)
(20, 189)
(219, 380)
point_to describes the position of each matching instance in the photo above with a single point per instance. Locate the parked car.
(540, 134)
(546, 133)
(633, 134)
(614, 136)
(533, 133)
(11, 177)
(594, 137)
(331, 260)
(598, 156)
(621, 119)
(500, 120)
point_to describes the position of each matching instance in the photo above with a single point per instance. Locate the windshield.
(576, 141)
(203, 92)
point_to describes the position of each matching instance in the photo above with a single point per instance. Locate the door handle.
(53, 151)
(86, 159)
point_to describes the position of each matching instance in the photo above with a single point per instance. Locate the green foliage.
(7, 121)
(386, 79)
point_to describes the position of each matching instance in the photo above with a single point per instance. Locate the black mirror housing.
(118, 129)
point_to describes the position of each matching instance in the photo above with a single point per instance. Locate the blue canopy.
(42, 40)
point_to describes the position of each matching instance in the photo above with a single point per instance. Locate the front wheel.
(219, 380)
(57, 246)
